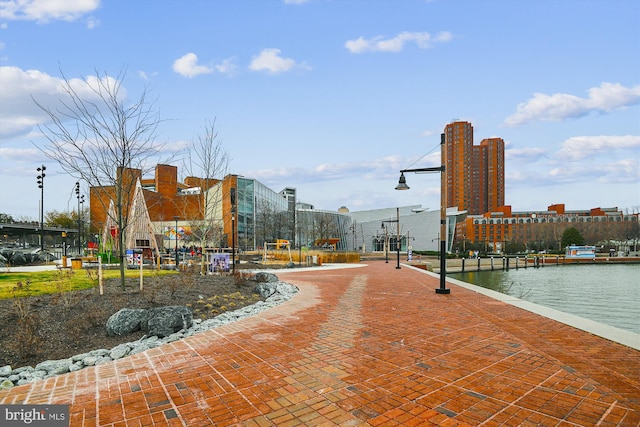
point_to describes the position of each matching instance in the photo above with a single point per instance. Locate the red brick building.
(167, 199)
(498, 228)
(160, 194)
(200, 210)
(474, 173)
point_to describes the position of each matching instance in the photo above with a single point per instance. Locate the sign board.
(218, 263)
(575, 251)
(134, 256)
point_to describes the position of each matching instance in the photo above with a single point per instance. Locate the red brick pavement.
(367, 346)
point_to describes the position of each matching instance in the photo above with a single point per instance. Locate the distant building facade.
(244, 212)
(474, 173)
(543, 229)
(180, 210)
(414, 227)
(318, 228)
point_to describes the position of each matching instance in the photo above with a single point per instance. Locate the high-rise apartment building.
(474, 173)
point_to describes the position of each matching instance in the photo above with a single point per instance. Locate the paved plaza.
(369, 345)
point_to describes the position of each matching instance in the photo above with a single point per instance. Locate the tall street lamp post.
(81, 221)
(398, 239)
(80, 201)
(232, 192)
(397, 221)
(385, 243)
(402, 185)
(41, 176)
(176, 217)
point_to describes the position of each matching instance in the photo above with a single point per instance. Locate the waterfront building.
(241, 211)
(474, 173)
(199, 210)
(318, 228)
(496, 229)
(196, 210)
(414, 227)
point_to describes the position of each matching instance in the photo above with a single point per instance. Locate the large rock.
(18, 259)
(119, 351)
(265, 289)
(54, 367)
(126, 321)
(164, 321)
(263, 277)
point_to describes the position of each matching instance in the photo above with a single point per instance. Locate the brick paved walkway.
(366, 346)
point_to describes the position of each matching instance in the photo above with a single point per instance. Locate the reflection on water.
(608, 294)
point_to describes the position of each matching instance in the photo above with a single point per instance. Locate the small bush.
(27, 324)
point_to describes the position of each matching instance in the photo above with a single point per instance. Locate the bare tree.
(208, 161)
(99, 136)
(325, 228)
(266, 222)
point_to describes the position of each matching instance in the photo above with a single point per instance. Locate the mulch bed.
(58, 326)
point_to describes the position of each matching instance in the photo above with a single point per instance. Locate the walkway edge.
(611, 333)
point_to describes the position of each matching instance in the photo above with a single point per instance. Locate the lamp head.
(402, 183)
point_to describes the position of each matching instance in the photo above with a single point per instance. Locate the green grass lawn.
(49, 282)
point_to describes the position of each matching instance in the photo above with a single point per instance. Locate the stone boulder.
(18, 258)
(265, 289)
(262, 277)
(164, 321)
(126, 321)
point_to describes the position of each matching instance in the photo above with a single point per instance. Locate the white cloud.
(397, 43)
(19, 114)
(46, 10)
(296, 1)
(368, 170)
(580, 147)
(621, 171)
(270, 60)
(528, 154)
(20, 154)
(605, 98)
(187, 66)
(147, 76)
(227, 66)
(602, 158)
(92, 23)
(617, 171)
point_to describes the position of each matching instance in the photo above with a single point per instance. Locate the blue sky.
(334, 97)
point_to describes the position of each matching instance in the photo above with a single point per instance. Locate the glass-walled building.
(324, 229)
(263, 215)
(245, 226)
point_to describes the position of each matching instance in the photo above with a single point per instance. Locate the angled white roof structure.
(139, 228)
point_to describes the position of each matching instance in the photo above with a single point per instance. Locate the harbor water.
(604, 293)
